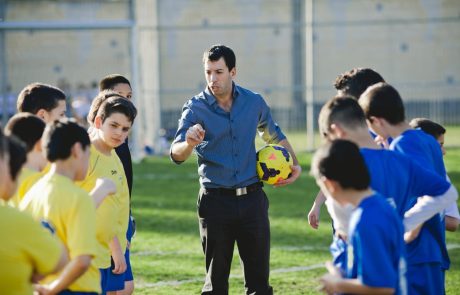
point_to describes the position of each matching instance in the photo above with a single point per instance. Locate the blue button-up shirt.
(227, 155)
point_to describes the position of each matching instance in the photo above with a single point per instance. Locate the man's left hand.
(295, 173)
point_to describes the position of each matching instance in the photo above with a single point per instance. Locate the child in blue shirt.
(376, 262)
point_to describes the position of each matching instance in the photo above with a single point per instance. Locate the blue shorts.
(68, 292)
(115, 282)
(425, 278)
(131, 228)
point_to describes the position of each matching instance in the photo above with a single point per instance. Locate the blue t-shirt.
(401, 180)
(376, 250)
(426, 151)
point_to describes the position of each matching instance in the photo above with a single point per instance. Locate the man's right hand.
(195, 135)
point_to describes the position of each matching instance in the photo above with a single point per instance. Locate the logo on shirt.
(113, 172)
(46, 224)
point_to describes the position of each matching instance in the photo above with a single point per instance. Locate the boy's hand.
(313, 216)
(195, 135)
(119, 262)
(295, 173)
(43, 290)
(413, 234)
(106, 185)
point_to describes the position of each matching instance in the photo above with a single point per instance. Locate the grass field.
(167, 256)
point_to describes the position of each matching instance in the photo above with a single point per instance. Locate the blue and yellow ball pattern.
(273, 163)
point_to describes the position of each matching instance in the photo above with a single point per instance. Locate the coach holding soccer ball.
(220, 124)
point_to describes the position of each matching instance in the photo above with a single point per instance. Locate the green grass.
(167, 245)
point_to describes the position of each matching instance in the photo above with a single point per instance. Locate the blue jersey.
(400, 180)
(376, 249)
(426, 151)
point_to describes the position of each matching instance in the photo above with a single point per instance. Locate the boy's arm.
(332, 284)
(426, 207)
(102, 189)
(71, 272)
(117, 256)
(451, 223)
(313, 215)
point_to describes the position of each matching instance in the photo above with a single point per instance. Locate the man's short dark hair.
(114, 105)
(356, 81)
(217, 51)
(383, 101)
(110, 81)
(37, 96)
(3, 144)
(27, 127)
(344, 110)
(18, 155)
(428, 126)
(336, 159)
(97, 101)
(60, 136)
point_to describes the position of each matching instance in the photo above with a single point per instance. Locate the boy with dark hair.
(356, 81)
(392, 174)
(375, 233)
(67, 210)
(29, 129)
(29, 251)
(119, 84)
(45, 101)
(385, 114)
(451, 216)
(113, 119)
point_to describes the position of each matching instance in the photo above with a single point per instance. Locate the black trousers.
(224, 219)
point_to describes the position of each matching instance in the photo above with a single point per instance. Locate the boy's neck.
(363, 139)
(355, 197)
(101, 146)
(35, 161)
(64, 168)
(396, 130)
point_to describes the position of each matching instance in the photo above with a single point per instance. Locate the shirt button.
(236, 172)
(234, 137)
(236, 155)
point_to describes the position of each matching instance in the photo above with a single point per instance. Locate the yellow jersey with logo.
(113, 213)
(70, 213)
(26, 248)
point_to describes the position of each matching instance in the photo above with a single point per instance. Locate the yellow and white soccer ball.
(273, 163)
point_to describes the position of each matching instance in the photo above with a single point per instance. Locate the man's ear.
(233, 72)
(98, 122)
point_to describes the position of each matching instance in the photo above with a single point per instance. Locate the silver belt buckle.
(241, 191)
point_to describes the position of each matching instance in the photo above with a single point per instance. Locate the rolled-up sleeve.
(187, 120)
(268, 130)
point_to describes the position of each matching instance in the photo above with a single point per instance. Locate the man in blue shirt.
(376, 263)
(220, 125)
(385, 114)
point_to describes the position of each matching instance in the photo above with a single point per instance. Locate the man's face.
(124, 90)
(55, 114)
(114, 129)
(218, 77)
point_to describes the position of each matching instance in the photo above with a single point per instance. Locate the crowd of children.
(67, 191)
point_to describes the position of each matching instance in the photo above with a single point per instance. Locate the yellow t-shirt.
(27, 178)
(26, 248)
(113, 213)
(56, 201)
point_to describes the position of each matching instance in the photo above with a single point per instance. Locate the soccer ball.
(273, 163)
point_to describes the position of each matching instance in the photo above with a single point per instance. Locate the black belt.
(241, 191)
